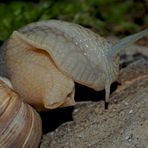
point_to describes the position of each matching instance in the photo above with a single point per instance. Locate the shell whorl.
(20, 125)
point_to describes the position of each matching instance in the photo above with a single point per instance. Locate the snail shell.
(20, 125)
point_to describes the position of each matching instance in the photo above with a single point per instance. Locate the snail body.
(20, 124)
(75, 53)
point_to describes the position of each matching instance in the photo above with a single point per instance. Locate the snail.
(20, 124)
(45, 58)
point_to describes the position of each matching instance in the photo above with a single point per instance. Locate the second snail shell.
(20, 124)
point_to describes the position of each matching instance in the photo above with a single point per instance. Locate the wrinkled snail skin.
(74, 53)
(20, 124)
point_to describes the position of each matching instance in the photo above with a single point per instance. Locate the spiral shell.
(20, 124)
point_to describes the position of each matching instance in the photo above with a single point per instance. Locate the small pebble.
(76, 110)
(129, 140)
(126, 103)
(131, 111)
(127, 137)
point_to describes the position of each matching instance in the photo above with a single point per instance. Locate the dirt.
(124, 124)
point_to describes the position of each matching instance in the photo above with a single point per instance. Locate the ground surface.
(124, 124)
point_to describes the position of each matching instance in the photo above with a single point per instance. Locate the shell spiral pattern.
(20, 124)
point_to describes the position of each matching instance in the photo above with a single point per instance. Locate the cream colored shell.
(20, 124)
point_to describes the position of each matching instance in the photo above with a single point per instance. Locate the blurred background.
(107, 17)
